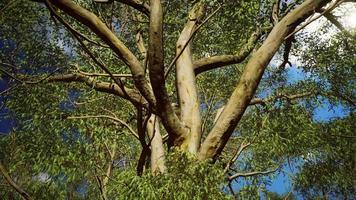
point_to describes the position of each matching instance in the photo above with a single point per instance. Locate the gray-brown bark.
(249, 80)
(156, 73)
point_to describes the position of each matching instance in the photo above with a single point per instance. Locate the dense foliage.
(70, 140)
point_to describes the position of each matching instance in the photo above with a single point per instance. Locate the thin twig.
(237, 153)
(256, 173)
(108, 117)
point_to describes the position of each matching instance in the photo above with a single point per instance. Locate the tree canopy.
(151, 99)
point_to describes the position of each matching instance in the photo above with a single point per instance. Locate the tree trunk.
(157, 149)
(186, 83)
(249, 80)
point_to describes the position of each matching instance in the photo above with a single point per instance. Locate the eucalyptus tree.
(100, 87)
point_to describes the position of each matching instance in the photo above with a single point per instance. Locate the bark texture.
(249, 80)
(186, 83)
(157, 149)
(156, 69)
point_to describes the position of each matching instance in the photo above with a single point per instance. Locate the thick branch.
(138, 5)
(18, 189)
(156, 69)
(214, 62)
(96, 25)
(250, 78)
(187, 41)
(156, 143)
(186, 81)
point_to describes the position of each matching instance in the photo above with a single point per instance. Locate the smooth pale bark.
(186, 83)
(249, 80)
(156, 72)
(102, 31)
(157, 149)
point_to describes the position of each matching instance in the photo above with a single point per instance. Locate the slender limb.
(105, 75)
(332, 18)
(107, 117)
(256, 101)
(86, 49)
(13, 184)
(138, 5)
(248, 174)
(130, 94)
(26, 81)
(236, 155)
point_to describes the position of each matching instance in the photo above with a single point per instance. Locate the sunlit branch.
(101, 30)
(256, 173)
(215, 62)
(170, 67)
(329, 9)
(236, 155)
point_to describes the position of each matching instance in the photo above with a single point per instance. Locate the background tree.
(103, 91)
